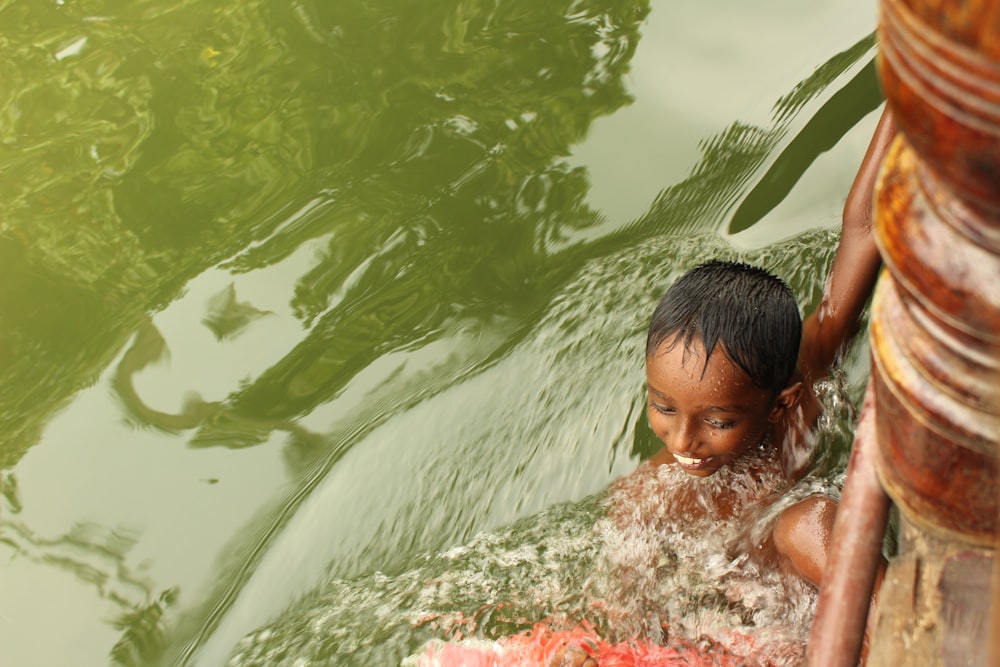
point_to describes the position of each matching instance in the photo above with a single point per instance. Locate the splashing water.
(683, 575)
(688, 559)
(660, 558)
(594, 328)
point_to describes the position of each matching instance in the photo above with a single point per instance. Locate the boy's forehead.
(679, 367)
(689, 355)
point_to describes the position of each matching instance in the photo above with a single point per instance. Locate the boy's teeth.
(686, 460)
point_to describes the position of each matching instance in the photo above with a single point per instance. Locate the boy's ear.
(788, 398)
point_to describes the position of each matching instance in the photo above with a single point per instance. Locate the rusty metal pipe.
(855, 553)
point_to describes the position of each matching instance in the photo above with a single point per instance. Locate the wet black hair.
(751, 312)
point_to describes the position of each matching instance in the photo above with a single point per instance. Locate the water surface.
(295, 292)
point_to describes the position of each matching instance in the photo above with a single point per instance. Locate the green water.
(293, 290)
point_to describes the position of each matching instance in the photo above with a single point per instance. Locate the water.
(564, 562)
(299, 292)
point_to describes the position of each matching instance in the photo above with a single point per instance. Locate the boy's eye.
(662, 409)
(716, 423)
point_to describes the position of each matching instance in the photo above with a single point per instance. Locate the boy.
(721, 372)
(730, 369)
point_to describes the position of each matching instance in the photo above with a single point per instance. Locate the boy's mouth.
(689, 463)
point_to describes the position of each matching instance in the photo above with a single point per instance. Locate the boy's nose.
(683, 438)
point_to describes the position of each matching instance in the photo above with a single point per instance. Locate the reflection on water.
(318, 282)
(438, 174)
(99, 557)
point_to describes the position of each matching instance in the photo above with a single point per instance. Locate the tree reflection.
(143, 631)
(97, 556)
(451, 211)
(425, 142)
(434, 133)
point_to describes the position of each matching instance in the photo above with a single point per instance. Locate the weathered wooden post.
(935, 336)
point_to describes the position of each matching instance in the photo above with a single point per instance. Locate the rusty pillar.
(935, 336)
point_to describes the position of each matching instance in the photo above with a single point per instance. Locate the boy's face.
(706, 420)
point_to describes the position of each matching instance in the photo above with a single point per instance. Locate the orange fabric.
(536, 647)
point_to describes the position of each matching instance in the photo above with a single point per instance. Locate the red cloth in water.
(536, 647)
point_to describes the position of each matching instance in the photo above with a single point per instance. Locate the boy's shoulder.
(801, 535)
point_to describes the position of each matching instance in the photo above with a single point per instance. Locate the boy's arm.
(802, 538)
(855, 268)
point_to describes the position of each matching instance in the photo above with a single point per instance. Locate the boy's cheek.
(651, 420)
(657, 427)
